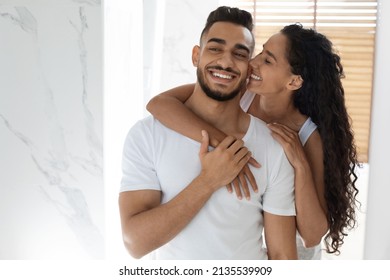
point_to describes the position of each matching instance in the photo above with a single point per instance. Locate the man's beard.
(214, 94)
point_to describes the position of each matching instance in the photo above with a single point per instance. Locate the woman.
(295, 86)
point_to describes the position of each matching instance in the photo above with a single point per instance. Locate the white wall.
(51, 165)
(123, 102)
(377, 241)
(183, 22)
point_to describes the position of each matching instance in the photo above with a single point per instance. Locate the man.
(172, 203)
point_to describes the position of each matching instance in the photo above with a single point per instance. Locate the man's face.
(222, 60)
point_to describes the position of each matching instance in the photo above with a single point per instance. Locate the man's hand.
(222, 165)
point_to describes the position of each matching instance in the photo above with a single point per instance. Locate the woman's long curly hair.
(321, 97)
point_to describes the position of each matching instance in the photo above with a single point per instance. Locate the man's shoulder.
(149, 127)
(261, 128)
(258, 122)
(261, 138)
(141, 128)
(146, 123)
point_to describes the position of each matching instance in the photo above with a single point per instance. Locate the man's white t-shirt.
(158, 158)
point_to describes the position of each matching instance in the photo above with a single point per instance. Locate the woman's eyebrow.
(270, 54)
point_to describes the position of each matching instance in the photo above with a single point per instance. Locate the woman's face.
(270, 71)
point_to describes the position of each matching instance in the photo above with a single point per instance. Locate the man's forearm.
(150, 229)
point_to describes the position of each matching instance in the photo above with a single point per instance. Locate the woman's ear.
(296, 82)
(195, 55)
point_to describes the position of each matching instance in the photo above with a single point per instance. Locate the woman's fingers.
(237, 189)
(284, 133)
(252, 161)
(249, 175)
(244, 185)
(241, 183)
(289, 139)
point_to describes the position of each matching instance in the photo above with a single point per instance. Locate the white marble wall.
(51, 166)
(123, 103)
(183, 22)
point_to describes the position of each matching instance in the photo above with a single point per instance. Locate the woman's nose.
(255, 62)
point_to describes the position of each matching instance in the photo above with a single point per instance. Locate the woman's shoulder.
(307, 129)
(313, 147)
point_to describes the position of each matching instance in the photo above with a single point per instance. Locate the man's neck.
(227, 116)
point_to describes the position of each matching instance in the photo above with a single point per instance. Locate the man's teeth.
(222, 76)
(257, 78)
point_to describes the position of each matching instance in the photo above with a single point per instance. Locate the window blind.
(350, 25)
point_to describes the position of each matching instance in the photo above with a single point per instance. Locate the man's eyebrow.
(217, 40)
(223, 42)
(242, 47)
(270, 54)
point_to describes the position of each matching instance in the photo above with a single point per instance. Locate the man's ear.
(296, 82)
(195, 55)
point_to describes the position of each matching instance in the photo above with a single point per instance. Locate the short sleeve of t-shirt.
(138, 170)
(279, 197)
(276, 175)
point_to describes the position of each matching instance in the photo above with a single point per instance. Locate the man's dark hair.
(228, 14)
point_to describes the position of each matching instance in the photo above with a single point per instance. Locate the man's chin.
(221, 96)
